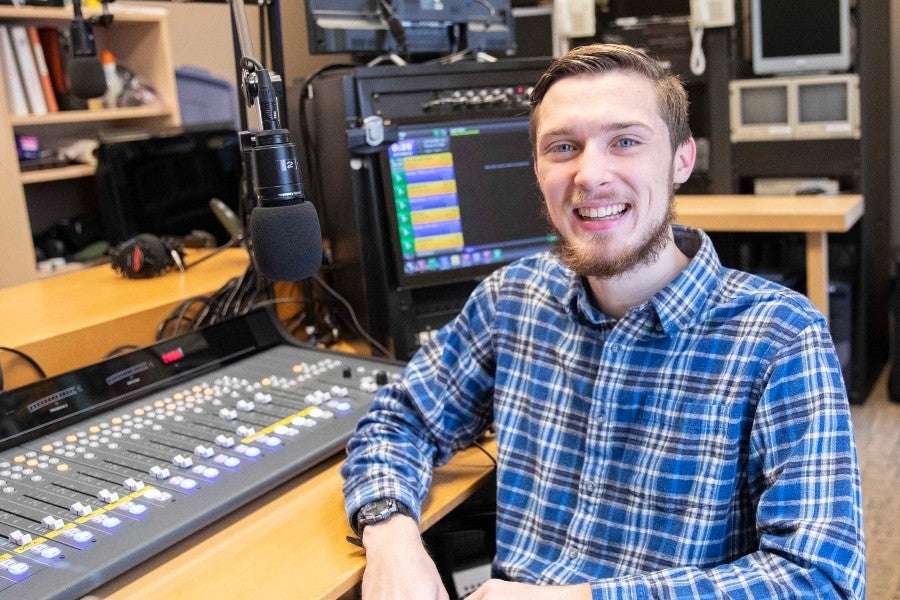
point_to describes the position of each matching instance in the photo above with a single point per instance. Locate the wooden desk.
(816, 216)
(287, 543)
(75, 319)
(291, 540)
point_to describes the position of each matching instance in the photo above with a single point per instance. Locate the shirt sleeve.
(441, 404)
(803, 475)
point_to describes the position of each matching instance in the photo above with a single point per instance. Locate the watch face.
(377, 510)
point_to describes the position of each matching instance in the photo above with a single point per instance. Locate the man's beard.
(590, 264)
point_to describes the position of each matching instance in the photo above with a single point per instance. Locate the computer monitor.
(462, 199)
(161, 183)
(800, 36)
(424, 27)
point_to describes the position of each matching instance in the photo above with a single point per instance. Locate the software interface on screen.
(465, 198)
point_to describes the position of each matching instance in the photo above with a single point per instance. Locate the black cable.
(236, 297)
(37, 368)
(120, 350)
(488, 454)
(359, 328)
(395, 26)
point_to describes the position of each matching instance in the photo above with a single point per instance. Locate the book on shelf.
(54, 44)
(37, 104)
(43, 73)
(12, 81)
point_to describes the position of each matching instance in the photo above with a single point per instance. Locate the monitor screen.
(462, 199)
(800, 36)
(162, 183)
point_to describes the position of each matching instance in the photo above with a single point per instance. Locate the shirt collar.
(676, 306)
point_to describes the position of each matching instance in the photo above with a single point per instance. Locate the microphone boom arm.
(257, 82)
(284, 234)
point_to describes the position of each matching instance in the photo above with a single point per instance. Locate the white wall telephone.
(575, 18)
(707, 14)
(712, 13)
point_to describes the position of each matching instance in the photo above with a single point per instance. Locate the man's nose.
(594, 168)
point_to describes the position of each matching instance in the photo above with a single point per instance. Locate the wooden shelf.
(91, 116)
(58, 174)
(139, 39)
(53, 13)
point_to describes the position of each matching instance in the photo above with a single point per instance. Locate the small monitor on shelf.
(794, 37)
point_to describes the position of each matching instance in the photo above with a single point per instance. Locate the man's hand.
(397, 565)
(505, 590)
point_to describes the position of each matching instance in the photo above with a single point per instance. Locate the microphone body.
(85, 73)
(276, 171)
(284, 226)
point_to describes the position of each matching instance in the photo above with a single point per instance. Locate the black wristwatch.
(376, 512)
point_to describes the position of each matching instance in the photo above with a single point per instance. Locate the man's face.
(607, 171)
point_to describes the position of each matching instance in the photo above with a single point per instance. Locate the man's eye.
(562, 147)
(627, 143)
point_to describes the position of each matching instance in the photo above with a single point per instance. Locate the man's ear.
(683, 161)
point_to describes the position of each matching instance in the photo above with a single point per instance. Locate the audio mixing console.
(103, 467)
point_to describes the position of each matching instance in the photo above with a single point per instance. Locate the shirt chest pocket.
(675, 455)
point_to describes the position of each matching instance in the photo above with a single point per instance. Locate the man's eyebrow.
(609, 127)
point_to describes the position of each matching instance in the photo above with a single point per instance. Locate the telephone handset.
(707, 14)
(712, 13)
(574, 18)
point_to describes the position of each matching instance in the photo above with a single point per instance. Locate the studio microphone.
(85, 73)
(284, 226)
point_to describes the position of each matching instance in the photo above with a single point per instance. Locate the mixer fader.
(105, 466)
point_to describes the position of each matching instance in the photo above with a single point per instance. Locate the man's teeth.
(599, 213)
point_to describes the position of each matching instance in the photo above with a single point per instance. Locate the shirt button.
(590, 486)
(659, 327)
(573, 553)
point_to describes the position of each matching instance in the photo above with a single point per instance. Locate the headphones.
(146, 255)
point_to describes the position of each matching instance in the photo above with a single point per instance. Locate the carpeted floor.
(877, 427)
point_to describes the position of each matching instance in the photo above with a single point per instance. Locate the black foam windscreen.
(86, 77)
(287, 241)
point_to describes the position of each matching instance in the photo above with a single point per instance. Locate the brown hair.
(601, 58)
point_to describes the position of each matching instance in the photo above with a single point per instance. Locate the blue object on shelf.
(204, 98)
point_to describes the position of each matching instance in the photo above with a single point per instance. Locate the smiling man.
(666, 427)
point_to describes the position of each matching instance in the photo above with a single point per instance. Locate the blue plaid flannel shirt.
(699, 447)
